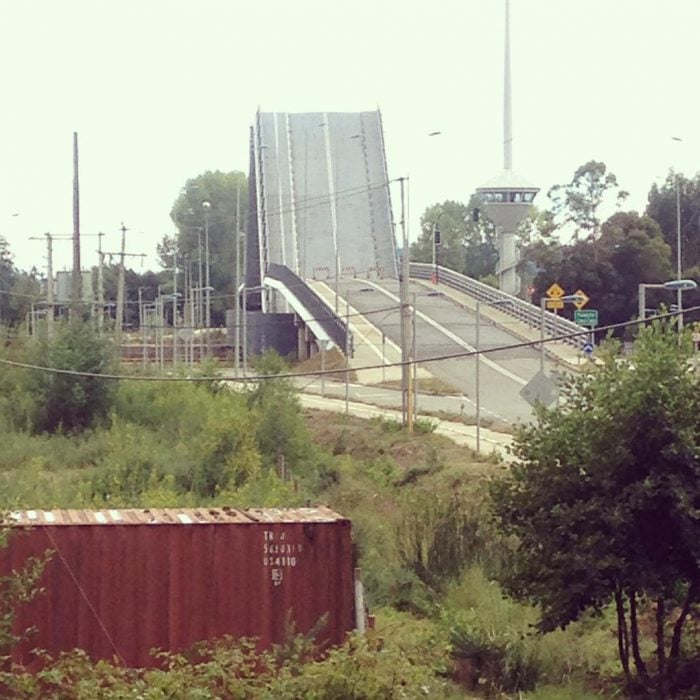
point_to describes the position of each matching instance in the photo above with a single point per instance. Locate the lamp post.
(436, 243)
(200, 280)
(237, 307)
(679, 289)
(678, 285)
(142, 328)
(406, 383)
(567, 299)
(206, 205)
(332, 165)
(477, 347)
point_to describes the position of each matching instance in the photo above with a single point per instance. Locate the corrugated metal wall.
(122, 585)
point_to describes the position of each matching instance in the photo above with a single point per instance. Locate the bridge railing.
(517, 308)
(332, 324)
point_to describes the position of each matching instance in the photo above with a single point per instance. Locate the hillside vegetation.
(426, 539)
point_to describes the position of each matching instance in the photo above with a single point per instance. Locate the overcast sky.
(162, 91)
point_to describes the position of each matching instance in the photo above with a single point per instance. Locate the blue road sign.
(588, 348)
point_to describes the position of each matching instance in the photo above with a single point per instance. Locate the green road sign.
(586, 317)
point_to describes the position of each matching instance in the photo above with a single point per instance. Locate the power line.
(292, 375)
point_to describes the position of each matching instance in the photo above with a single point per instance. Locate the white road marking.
(354, 329)
(456, 339)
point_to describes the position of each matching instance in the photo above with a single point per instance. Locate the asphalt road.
(443, 327)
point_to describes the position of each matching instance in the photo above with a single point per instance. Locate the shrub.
(64, 402)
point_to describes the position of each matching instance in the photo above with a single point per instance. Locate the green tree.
(18, 289)
(629, 250)
(578, 202)
(281, 431)
(662, 207)
(7, 279)
(63, 401)
(467, 241)
(603, 503)
(224, 192)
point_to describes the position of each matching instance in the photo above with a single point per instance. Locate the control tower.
(507, 197)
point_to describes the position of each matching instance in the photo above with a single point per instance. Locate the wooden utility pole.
(100, 284)
(49, 286)
(237, 299)
(49, 282)
(406, 388)
(175, 353)
(76, 285)
(119, 321)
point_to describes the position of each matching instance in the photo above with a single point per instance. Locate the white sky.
(162, 91)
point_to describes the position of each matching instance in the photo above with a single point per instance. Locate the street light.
(332, 165)
(679, 291)
(436, 243)
(678, 285)
(206, 205)
(567, 299)
(495, 302)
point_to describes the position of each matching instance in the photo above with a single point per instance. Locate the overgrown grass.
(421, 525)
(500, 635)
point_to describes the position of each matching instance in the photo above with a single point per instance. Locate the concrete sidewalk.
(559, 351)
(459, 433)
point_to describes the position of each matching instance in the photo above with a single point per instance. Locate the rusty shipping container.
(122, 582)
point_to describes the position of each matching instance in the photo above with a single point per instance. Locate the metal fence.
(517, 308)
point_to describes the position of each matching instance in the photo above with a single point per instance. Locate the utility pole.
(186, 307)
(100, 284)
(679, 261)
(49, 282)
(200, 285)
(50, 297)
(175, 358)
(414, 357)
(237, 299)
(347, 353)
(49, 286)
(121, 286)
(245, 307)
(142, 329)
(207, 207)
(406, 393)
(119, 321)
(76, 286)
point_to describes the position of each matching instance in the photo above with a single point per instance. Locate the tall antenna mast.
(507, 116)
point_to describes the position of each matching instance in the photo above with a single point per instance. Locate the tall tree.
(467, 239)
(7, 279)
(603, 503)
(223, 191)
(662, 207)
(18, 289)
(578, 202)
(629, 251)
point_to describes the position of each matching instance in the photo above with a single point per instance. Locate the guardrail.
(332, 324)
(518, 308)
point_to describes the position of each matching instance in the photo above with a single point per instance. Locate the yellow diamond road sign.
(583, 300)
(555, 291)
